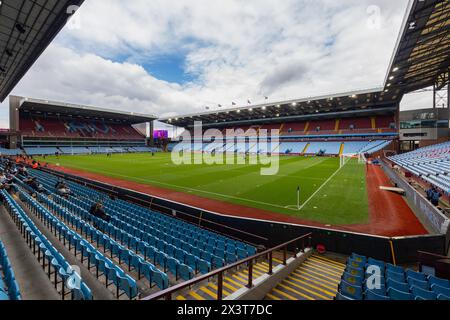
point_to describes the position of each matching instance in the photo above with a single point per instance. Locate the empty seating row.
(134, 237)
(431, 163)
(330, 148)
(145, 245)
(138, 216)
(154, 243)
(78, 221)
(9, 289)
(113, 273)
(370, 279)
(168, 246)
(44, 249)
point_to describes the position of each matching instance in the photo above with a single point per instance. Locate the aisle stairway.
(316, 279)
(231, 283)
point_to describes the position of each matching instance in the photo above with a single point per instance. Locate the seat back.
(355, 271)
(416, 275)
(359, 258)
(351, 279)
(444, 283)
(401, 286)
(424, 294)
(355, 264)
(395, 294)
(341, 297)
(371, 295)
(399, 277)
(351, 291)
(418, 283)
(440, 290)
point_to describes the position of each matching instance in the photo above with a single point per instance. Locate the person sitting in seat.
(3, 180)
(23, 171)
(35, 185)
(429, 193)
(97, 211)
(62, 189)
(435, 198)
(9, 185)
(35, 164)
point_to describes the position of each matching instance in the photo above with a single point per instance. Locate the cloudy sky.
(169, 57)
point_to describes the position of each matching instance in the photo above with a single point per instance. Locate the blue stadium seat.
(416, 275)
(351, 279)
(440, 290)
(355, 264)
(371, 295)
(399, 277)
(359, 258)
(396, 269)
(421, 294)
(204, 267)
(401, 286)
(342, 297)
(444, 283)
(160, 279)
(351, 291)
(185, 272)
(418, 283)
(395, 294)
(359, 272)
(374, 262)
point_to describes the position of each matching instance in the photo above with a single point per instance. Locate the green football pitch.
(329, 194)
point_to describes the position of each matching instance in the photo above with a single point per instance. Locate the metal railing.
(300, 244)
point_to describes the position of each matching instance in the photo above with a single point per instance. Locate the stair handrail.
(167, 294)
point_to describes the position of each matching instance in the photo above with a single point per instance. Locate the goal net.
(345, 158)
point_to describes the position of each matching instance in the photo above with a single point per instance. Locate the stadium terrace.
(337, 197)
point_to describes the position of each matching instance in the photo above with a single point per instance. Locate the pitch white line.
(185, 188)
(214, 193)
(320, 188)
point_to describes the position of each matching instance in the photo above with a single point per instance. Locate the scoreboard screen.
(160, 134)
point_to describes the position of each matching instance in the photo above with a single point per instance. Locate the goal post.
(346, 157)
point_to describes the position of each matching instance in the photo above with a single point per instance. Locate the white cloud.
(236, 49)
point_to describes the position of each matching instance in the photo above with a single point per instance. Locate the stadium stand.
(147, 244)
(137, 251)
(359, 282)
(285, 148)
(432, 164)
(46, 252)
(78, 129)
(9, 289)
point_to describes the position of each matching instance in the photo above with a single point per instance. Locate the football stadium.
(335, 197)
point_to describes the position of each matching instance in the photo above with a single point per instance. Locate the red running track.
(389, 213)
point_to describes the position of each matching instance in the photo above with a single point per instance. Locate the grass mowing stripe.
(243, 184)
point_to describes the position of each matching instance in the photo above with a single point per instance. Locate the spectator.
(435, 198)
(63, 189)
(23, 171)
(97, 211)
(3, 179)
(430, 193)
(35, 185)
(6, 182)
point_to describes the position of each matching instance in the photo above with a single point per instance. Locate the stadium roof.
(73, 110)
(422, 55)
(293, 109)
(26, 29)
(421, 59)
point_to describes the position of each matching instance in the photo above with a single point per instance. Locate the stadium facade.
(156, 246)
